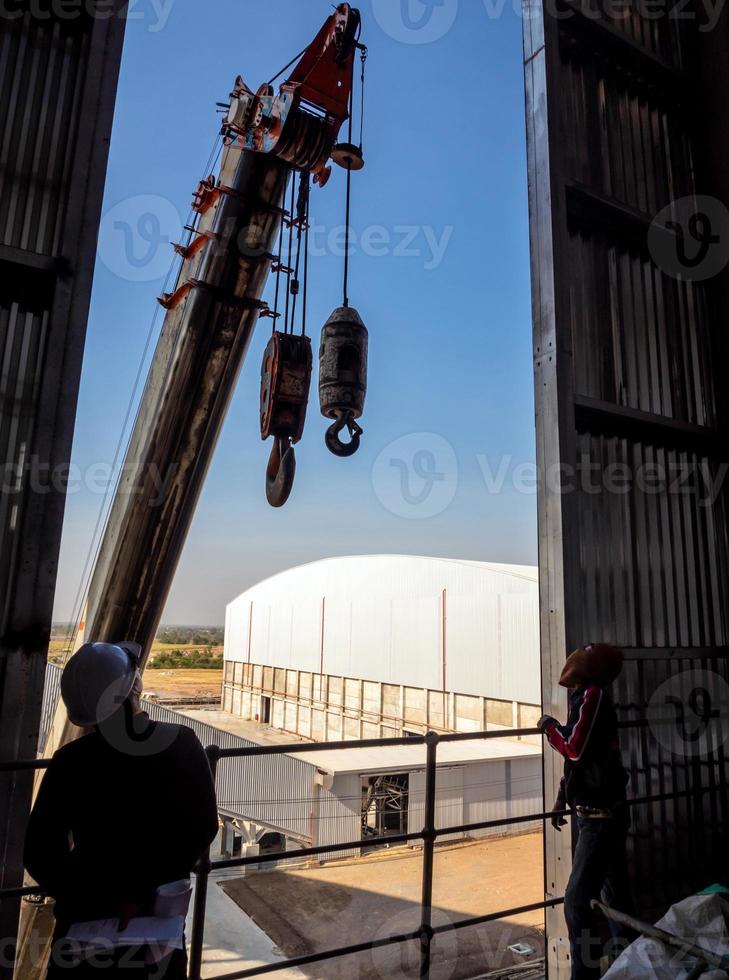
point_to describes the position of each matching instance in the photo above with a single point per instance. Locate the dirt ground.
(309, 910)
(183, 683)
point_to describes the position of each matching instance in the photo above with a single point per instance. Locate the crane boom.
(210, 319)
(209, 322)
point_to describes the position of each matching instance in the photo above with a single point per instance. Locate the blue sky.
(440, 275)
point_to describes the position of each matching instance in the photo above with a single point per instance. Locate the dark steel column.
(426, 902)
(627, 127)
(58, 76)
(202, 877)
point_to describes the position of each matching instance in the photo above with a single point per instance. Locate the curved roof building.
(439, 624)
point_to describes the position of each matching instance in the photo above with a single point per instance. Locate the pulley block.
(285, 382)
(348, 156)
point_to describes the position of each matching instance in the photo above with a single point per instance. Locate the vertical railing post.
(201, 890)
(426, 910)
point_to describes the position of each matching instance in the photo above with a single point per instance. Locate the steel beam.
(46, 268)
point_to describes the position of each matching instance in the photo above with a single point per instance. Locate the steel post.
(429, 837)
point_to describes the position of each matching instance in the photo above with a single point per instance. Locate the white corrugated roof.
(407, 758)
(530, 572)
(471, 627)
(397, 758)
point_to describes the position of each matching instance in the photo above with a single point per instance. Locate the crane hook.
(280, 471)
(335, 444)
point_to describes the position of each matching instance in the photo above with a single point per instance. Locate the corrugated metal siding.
(51, 694)
(479, 792)
(383, 622)
(630, 359)
(339, 815)
(23, 338)
(449, 789)
(658, 578)
(42, 66)
(275, 790)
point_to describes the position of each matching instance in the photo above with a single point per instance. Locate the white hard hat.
(98, 679)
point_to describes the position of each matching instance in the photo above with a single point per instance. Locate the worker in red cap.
(594, 788)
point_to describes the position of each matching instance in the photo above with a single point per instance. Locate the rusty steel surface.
(627, 153)
(343, 364)
(285, 381)
(192, 378)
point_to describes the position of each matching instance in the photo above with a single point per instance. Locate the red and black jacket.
(593, 772)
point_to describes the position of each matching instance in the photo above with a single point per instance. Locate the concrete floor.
(342, 903)
(233, 941)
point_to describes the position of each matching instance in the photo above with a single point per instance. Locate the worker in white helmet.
(124, 809)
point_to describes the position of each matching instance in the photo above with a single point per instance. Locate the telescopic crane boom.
(210, 318)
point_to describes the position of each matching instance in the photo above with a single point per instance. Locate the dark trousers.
(599, 870)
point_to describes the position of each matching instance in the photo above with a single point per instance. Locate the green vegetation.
(205, 659)
(187, 636)
(175, 647)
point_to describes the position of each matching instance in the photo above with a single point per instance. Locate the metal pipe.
(428, 835)
(201, 891)
(667, 938)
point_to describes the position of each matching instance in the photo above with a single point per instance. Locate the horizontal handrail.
(429, 835)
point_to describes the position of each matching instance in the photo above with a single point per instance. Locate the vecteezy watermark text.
(417, 476)
(39, 477)
(136, 236)
(154, 13)
(418, 22)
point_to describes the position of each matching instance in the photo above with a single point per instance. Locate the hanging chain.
(276, 313)
(302, 235)
(363, 57)
(348, 207)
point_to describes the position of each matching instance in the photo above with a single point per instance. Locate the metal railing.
(429, 835)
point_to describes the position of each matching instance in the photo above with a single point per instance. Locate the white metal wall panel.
(448, 800)
(305, 647)
(276, 790)
(236, 632)
(519, 632)
(371, 615)
(280, 632)
(498, 790)
(338, 816)
(473, 656)
(260, 633)
(338, 636)
(383, 623)
(416, 643)
(526, 790)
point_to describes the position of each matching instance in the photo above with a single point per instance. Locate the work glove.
(544, 721)
(558, 819)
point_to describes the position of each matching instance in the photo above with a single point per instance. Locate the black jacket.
(119, 812)
(593, 771)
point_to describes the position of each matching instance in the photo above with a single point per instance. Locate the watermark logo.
(135, 237)
(416, 476)
(415, 21)
(133, 734)
(153, 13)
(689, 239)
(400, 961)
(689, 714)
